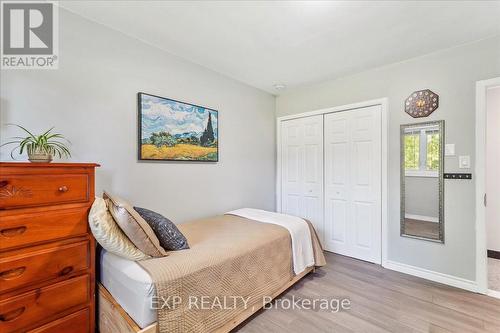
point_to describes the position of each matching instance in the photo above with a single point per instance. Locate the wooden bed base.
(113, 319)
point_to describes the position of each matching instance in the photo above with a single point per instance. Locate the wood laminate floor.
(381, 301)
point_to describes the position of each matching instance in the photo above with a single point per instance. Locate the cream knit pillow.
(108, 233)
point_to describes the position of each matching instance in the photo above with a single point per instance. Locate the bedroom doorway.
(493, 188)
(332, 170)
(488, 186)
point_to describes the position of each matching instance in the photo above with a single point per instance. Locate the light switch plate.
(449, 149)
(464, 162)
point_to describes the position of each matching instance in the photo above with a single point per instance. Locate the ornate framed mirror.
(422, 186)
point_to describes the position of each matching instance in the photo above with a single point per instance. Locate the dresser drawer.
(19, 268)
(77, 322)
(32, 228)
(18, 191)
(25, 310)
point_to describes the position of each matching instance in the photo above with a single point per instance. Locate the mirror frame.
(440, 124)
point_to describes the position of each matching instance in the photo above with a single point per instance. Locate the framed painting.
(171, 130)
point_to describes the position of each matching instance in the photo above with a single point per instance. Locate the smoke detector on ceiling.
(279, 86)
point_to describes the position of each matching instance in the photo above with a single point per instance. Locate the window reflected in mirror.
(422, 181)
(421, 151)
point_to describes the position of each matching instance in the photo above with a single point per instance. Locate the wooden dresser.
(47, 253)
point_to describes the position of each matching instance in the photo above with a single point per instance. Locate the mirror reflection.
(422, 181)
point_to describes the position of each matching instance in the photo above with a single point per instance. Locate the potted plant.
(40, 148)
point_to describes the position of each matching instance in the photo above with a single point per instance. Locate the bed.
(229, 256)
(131, 286)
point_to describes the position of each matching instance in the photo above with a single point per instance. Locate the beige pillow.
(108, 233)
(134, 226)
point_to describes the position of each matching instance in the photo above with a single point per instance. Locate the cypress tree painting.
(207, 138)
(170, 130)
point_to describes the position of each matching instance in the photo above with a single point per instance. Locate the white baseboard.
(493, 293)
(422, 218)
(431, 275)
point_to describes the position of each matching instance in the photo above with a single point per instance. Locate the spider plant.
(40, 148)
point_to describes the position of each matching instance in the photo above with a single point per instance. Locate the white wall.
(452, 74)
(492, 168)
(92, 99)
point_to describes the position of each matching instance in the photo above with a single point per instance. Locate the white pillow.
(108, 233)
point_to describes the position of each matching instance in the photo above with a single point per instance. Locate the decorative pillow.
(134, 226)
(170, 237)
(108, 233)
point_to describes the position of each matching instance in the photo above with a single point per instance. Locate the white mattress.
(130, 285)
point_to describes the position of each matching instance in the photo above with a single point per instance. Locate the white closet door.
(302, 169)
(312, 186)
(292, 160)
(353, 183)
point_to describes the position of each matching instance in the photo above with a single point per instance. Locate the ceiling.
(262, 43)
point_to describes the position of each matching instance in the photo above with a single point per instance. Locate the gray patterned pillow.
(170, 237)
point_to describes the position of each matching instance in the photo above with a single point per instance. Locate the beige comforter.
(233, 263)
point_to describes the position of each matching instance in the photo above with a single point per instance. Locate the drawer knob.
(63, 189)
(11, 315)
(11, 232)
(12, 273)
(66, 270)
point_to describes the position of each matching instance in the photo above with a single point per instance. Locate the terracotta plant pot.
(40, 157)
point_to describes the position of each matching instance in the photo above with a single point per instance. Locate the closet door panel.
(366, 183)
(337, 182)
(312, 186)
(338, 213)
(352, 183)
(292, 161)
(362, 214)
(302, 169)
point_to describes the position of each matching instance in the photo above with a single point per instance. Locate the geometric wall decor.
(421, 103)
